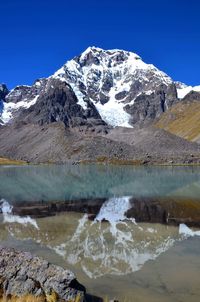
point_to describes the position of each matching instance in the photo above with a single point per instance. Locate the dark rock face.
(165, 210)
(3, 92)
(88, 60)
(192, 96)
(1, 109)
(121, 95)
(145, 210)
(26, 93)
(148, 107)
(89, 206)
(58, 103)
(21, 274)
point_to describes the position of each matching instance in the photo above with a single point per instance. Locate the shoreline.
(5, 161)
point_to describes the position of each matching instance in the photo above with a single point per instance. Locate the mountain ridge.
(105, 68)
(112, 80)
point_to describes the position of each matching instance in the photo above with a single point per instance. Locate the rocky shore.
(22, 274)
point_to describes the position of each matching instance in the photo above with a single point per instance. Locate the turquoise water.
(65, 182)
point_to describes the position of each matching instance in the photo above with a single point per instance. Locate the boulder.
(22, 273)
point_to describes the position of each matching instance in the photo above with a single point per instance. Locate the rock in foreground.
(22, 274)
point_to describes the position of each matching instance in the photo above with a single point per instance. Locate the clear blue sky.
(37, 37)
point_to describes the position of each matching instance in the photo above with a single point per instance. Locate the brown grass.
(53, 297)
(7, 161)
(26, 298)
(182, 119)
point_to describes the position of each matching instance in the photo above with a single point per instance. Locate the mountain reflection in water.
(99, 248)
(110, 257)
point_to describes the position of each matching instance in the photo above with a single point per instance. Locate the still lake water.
(117, 259)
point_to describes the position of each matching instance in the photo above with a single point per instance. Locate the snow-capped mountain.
(21, 97)
(112, 86)
(111, 79)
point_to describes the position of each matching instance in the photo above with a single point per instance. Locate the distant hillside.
(183, 119)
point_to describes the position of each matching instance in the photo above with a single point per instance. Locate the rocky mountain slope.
(59, 118)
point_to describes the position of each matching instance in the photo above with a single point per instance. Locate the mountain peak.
(111, 79)
(110, 53)
(115, 83)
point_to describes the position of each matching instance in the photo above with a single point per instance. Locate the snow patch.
(185, 230)
(80, 96)
(10, 108)
(8, 217)
(114, 209)
(37, 84)
(113, 113)
(5, 207)
(184, 91)
(59, 72)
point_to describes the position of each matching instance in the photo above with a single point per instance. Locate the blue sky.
(37, 37)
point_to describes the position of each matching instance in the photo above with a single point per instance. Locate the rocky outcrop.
(147, 107)
(58, 103)
(192, 96)
(3, 93)
(26, 93)
(22, 274)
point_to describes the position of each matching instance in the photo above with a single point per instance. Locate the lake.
(117, 258)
